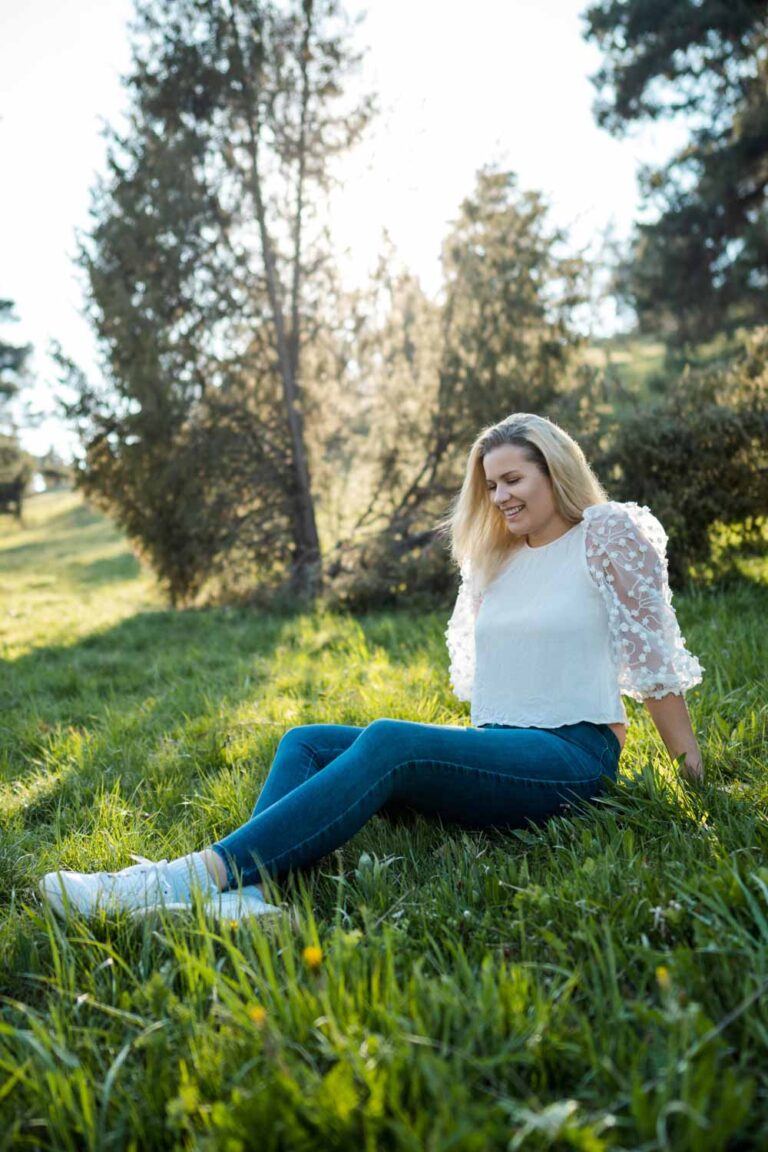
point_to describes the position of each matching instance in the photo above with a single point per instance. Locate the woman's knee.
(301, 734)
(384, 745)
(384, 729)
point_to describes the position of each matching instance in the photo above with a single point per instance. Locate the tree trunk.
(306, 575)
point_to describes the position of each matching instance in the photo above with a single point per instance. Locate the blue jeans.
(327, 780)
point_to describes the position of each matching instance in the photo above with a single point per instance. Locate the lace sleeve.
(460, 635)
(626, 550)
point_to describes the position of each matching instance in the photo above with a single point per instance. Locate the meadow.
(596, 983)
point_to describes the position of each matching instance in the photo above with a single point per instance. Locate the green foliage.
(204, 259)
(511, 295)
(503, 340)
(13, 360)
(596, 983)
(392, 571)
(15, 463)
(698, 456)
(702, 265)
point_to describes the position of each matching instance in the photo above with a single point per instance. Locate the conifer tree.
(204, 262)
(502, 339)
(702, 265)
(14, 462)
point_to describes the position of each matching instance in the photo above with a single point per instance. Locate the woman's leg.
(301, 753)
(298, 757)
(479, 777)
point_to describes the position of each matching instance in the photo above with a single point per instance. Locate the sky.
(497, 81)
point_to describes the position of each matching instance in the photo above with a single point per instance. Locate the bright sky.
(459, 86)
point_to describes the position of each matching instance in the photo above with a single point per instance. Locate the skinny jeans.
(327, 780)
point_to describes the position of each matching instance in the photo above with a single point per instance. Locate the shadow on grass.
(160, 655)
(109, 570)
(143, 716)
(161, 673)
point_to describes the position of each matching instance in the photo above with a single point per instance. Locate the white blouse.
(563, 630)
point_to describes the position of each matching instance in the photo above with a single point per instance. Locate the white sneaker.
(236, 904)
(142, 884)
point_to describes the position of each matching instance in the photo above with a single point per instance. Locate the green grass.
(638, 367)
(596, 983)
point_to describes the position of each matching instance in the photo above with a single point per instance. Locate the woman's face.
(523, 495)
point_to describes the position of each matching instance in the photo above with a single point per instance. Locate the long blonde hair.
(476, 529)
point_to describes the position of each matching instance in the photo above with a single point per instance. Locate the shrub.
(699, 456)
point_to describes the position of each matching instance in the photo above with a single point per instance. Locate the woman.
(563, 606)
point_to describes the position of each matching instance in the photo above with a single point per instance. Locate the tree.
(502, 340)
(14, 462)
(716, 418)
(702, 265)
(206, 259)
(512, 291)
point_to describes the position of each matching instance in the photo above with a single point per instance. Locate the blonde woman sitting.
(563, 607)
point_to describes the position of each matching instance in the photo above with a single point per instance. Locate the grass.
(637, 367)
(596, 983)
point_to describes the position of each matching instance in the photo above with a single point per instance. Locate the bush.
(384, 573)
(699, 456)
(197, 503)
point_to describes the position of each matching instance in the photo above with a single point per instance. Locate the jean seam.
(614, 767)
(409, 763)
(608, 747)
(615, 751)
(472, 771)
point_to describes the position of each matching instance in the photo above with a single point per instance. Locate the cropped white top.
(563, 630)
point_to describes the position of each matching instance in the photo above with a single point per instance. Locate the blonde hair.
(476, 530)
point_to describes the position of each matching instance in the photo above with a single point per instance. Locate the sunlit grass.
(65, 574)
(629, 363)
(599, 982)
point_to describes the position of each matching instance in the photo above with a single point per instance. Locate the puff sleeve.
(626, 552)
(460, 634)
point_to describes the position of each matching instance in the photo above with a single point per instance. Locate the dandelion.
(662, 978)
(312, 956)
(257, 1014)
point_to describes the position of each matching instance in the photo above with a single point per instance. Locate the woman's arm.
(670, 715)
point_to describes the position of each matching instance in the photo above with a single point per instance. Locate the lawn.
(597, 983)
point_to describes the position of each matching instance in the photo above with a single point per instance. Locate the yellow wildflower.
(662, 978)
(312, 956)
(257, 1014)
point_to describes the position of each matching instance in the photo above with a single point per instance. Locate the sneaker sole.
(209, 909)
(55, 899)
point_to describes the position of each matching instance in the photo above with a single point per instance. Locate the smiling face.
(523, 494)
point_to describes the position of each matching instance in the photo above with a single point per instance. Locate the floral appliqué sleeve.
(626, 551)
(460, 635)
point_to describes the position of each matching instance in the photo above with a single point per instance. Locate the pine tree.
(503, 339)
(14, 462)
(204, 263)
(702, 265)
